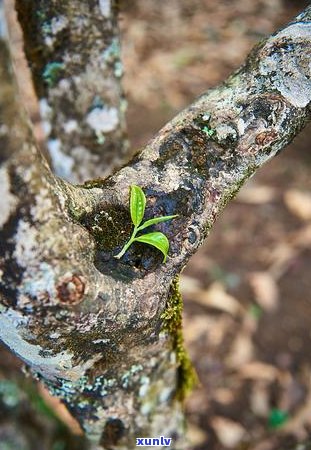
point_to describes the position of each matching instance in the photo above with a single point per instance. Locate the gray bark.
(104, 334)
(73, 50)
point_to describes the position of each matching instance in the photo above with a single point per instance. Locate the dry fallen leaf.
(302, 238)
(229, 433)
(257, 370)
(194, 328)
(195, 435)
(280, 258)
(265, 289)
(189, 285)
(260, 399)
(241, 351)
(256, 195)
(298, 203)
(216, 297)
(224, 396)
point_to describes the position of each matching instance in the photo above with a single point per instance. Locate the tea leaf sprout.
(137, 210)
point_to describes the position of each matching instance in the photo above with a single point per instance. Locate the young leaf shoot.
(137, 205)
(157, 239)
(137, 210)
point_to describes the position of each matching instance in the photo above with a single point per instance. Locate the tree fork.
(95, 328)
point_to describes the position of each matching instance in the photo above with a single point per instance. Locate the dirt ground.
(247, 295)
(247, 291)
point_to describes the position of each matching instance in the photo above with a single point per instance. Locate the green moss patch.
(52, 73)
(172, 324)
(110, 226)
(96, 183)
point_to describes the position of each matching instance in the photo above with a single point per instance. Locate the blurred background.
(247, 292)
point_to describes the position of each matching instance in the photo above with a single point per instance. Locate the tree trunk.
(105, 334)
(73, 51)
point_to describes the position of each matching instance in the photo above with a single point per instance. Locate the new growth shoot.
(137, 210)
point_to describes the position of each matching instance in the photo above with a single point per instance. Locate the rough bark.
(27, 421)
(104, 334)
(73, 51)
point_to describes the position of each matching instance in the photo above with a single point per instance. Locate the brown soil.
(251, 343)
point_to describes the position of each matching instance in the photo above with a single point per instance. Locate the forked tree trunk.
(105, 334)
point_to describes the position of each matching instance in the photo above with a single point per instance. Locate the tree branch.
(33, 219)
(104, 333)
(73, 51)
(199, 160)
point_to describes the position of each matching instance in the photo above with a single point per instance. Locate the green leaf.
(277, 418)
(156, 220)
(137, 205)
(208, 131)
(158, 240)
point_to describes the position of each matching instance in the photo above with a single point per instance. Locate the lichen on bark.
(73, 50)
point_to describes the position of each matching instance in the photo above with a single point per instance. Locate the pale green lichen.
(112, 53)
(10, 393)
(127, 377)
(118, 69)
(203, 122)
(172, 324)
(52, 72)
(208, 131)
